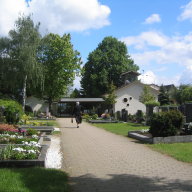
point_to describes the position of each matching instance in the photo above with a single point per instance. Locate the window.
(125, 100)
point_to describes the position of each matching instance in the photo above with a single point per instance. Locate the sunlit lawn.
(120, 128)
(33, 179)
(180, 151)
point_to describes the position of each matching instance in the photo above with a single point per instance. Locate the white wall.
(133, 91)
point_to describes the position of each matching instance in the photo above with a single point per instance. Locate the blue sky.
(158, 33)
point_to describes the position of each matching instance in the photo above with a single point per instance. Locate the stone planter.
(47, 129)
(40, 162)
(155, 140)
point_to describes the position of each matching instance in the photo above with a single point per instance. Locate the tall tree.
(105, 65)
(21, 53)
(61, 62)
(163, 96)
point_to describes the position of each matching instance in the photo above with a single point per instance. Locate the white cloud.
(160, 51)
(154, 18)
(145, 39)
(187, 12)
(9, 12)
(149, 77)
(186, 77)
(57, 16)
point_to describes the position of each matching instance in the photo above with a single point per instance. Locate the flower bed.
(39, 161)
(21, 147)
(28, 150)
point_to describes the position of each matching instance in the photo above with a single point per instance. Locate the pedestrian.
(77, 112)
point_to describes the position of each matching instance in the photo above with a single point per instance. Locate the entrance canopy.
(65, 105)
(81, 100)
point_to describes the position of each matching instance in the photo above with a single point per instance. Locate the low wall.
(173, 139)
(155, 140)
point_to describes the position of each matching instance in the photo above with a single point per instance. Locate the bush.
(165, 124)
(13, 111)
(31, 131)
(131, 118)
(86, 117)
(94, 117)
(118, 115)
(139, 116)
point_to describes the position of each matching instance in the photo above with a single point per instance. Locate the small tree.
(110, 99)
(163, 96)
(148, 99)
(146, 95)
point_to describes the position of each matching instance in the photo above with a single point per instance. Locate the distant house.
(127, 96)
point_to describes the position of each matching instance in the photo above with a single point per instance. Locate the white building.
(127, 97)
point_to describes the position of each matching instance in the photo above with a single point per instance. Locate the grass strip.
(179, 151)
(33, 179)
(120, 128)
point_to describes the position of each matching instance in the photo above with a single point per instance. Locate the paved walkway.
(99, 161)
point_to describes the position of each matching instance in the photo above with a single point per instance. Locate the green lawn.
(179, 151)
(33, 179)
(120, 128)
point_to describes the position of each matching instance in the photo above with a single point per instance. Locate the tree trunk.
(24, 93)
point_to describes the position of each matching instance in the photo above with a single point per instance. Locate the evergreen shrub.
(165, 124)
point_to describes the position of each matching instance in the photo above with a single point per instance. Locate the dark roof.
(81, 100)
(131, 72)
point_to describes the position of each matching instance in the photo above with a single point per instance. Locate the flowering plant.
(30, 150)
(9, 138)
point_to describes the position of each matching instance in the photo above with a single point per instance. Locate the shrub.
(86, 117)
(139, 116)
(165, 124)
(131, 118)
(94, 117)
(13, 111)
(31, 131)
(118, 115)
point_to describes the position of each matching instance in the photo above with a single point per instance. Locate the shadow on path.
(127, 183)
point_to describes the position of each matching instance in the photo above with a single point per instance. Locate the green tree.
(61, 63)
(146, 95)
(105, 65)
(163, 96)
(110, 98)
(186, 94)
(20, 56)
(182, 94)
(75, 94)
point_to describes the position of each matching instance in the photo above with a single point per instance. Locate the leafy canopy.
(61, 62)
(105, 65)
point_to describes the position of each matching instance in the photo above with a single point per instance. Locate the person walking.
(77, 112)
